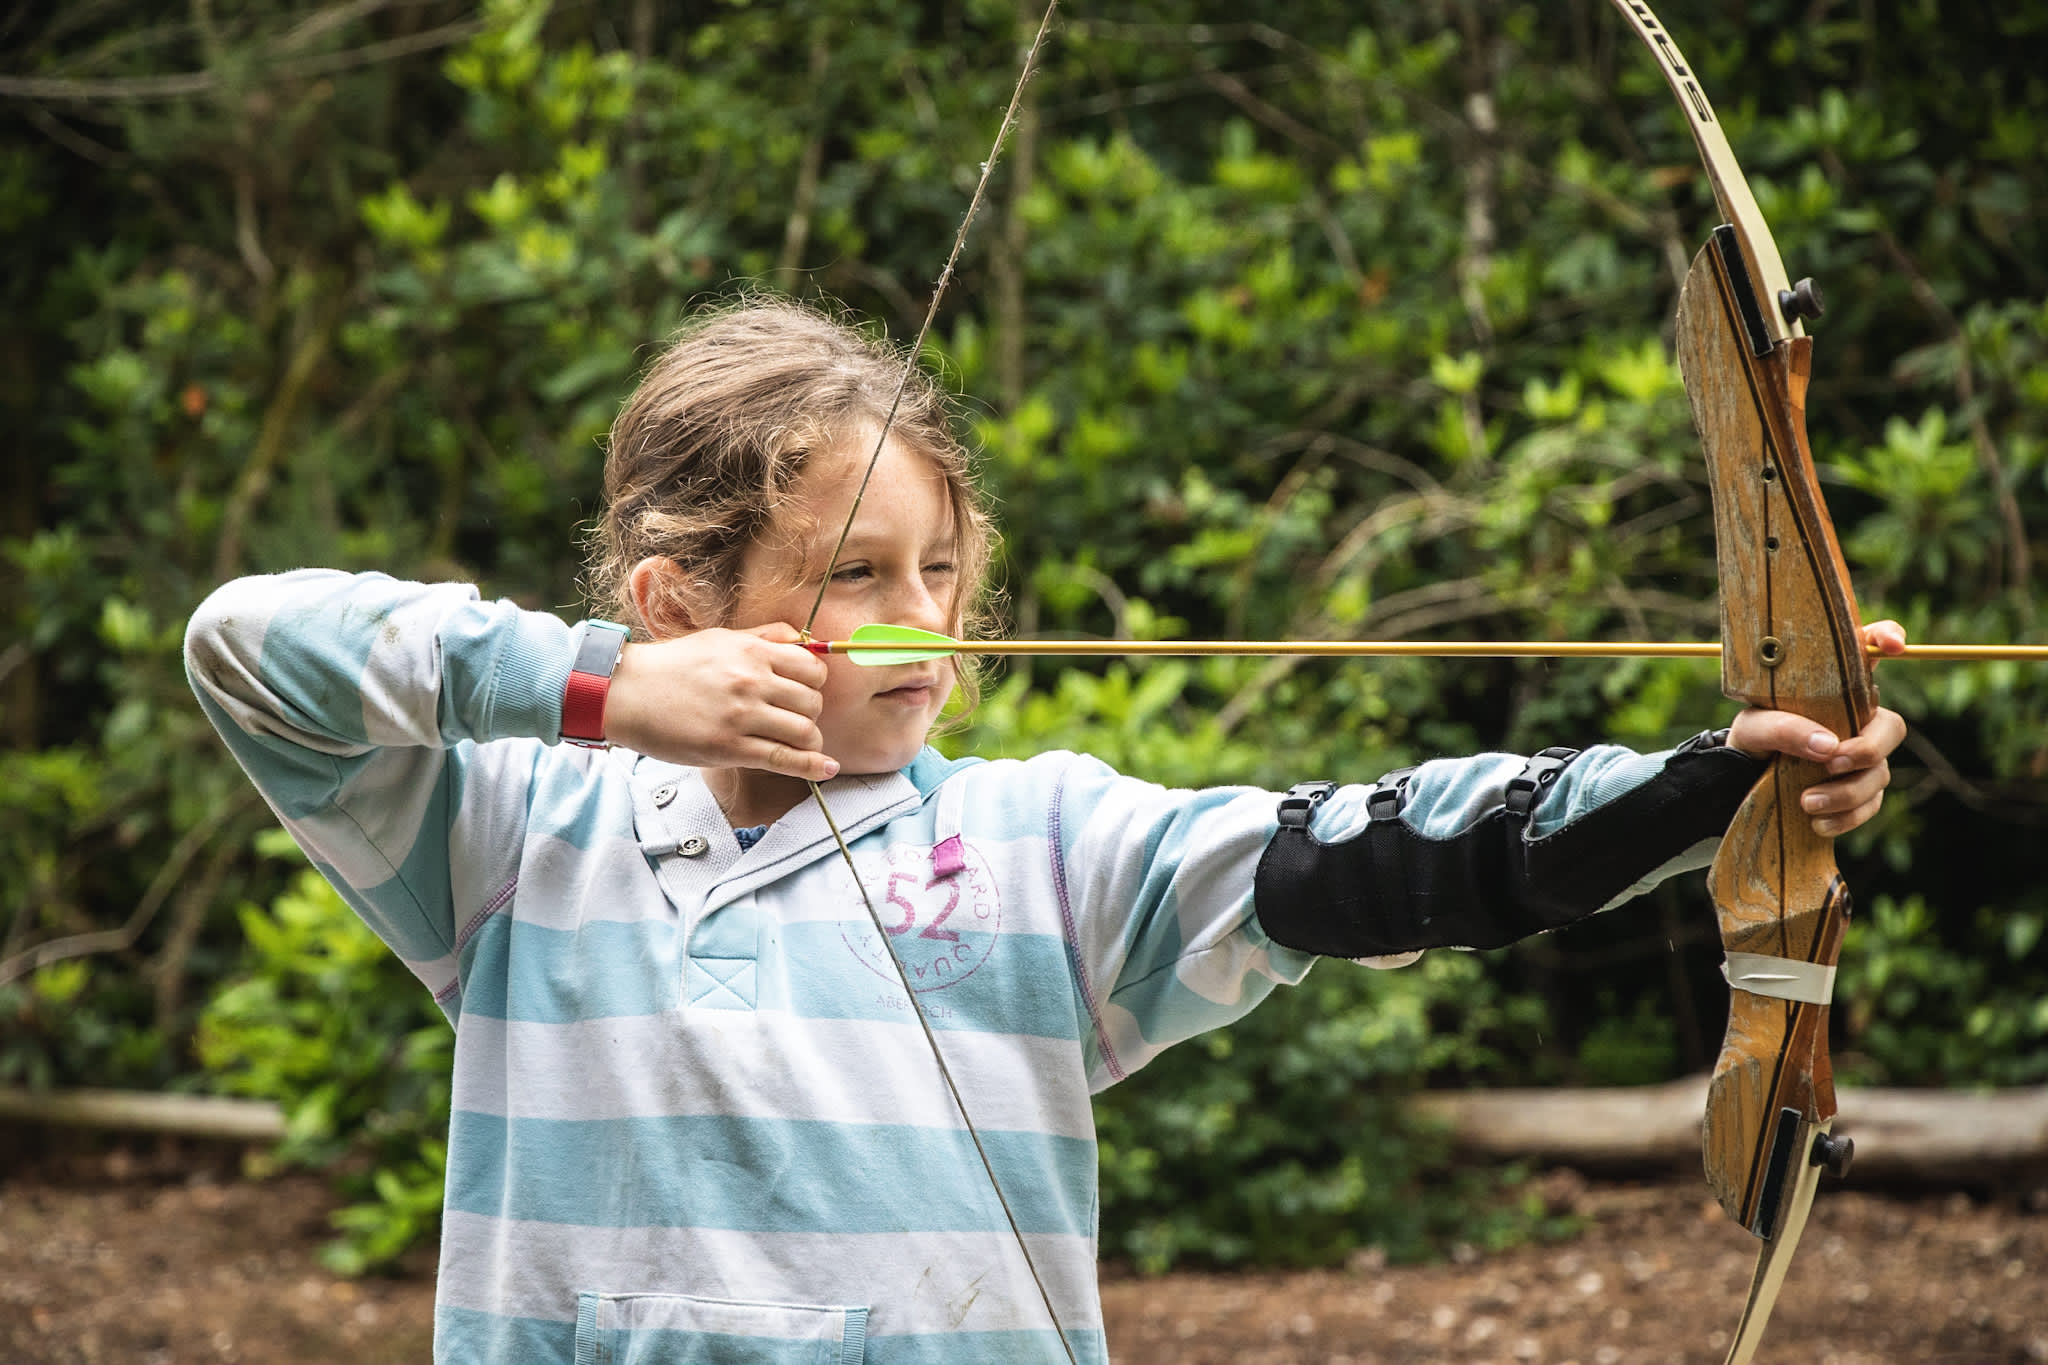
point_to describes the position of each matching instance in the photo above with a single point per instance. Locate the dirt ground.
(167, 1258)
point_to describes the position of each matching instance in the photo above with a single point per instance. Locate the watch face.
(598, 646)
(597, 650)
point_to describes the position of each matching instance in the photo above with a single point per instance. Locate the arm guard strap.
(1388, 889)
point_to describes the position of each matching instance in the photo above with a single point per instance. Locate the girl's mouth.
(916, 692)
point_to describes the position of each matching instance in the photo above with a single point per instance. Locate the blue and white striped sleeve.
(1156, 886)
(344, 698)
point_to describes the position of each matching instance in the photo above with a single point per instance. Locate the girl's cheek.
(836, 703)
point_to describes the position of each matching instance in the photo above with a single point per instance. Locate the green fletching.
(924, 644)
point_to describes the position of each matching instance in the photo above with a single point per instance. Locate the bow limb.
(1789, 642)
(825, 582)
(1731, 192)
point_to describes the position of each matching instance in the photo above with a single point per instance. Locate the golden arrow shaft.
(1492, 649)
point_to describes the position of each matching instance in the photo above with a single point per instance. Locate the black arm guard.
(1391, 890)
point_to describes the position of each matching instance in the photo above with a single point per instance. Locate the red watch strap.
(598, 646)
(583, 707)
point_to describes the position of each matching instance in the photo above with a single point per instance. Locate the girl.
(694, 1116)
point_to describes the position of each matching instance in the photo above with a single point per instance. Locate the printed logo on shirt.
(938, 906)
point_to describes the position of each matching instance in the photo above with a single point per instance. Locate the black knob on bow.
(1833, 1154)
(1802, 300)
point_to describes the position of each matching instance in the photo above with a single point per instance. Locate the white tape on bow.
(1783, 978)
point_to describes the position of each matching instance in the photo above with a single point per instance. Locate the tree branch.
(270, 70)
(796, 229)
(116, 940)
(269, 447)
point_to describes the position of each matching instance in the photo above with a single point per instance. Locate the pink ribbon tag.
(949, 857)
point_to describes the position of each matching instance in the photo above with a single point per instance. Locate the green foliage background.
(1349, 321)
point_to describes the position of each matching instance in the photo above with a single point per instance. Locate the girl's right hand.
(723, 699)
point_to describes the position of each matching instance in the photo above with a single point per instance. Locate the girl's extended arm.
(1187, 907)
(1190, 907)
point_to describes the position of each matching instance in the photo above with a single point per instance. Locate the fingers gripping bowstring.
(825, 581)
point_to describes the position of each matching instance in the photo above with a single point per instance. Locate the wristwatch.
(598, 646)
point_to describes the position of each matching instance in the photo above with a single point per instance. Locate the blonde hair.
(703, 455)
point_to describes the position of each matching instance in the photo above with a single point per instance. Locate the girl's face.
(899, 566)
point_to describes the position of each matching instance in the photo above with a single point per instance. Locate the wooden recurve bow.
(1789, 642)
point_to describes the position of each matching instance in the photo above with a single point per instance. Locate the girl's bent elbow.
(226, 630)
(209, 633)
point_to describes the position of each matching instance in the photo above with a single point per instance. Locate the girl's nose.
(915, 604)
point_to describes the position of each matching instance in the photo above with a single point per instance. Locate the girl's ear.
(668, 601)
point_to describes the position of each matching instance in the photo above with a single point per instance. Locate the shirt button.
(693, 847)
(665, 793)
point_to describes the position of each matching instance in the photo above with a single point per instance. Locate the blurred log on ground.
(1915, 1135)
(144, 1111)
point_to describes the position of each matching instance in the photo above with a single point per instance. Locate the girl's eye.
(853, 573)
(942, 567)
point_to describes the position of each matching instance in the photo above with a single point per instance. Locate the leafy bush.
(323, 1020)
(1283, 1140)
(1921, 1012)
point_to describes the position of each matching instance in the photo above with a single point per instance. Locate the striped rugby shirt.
(694, 1118)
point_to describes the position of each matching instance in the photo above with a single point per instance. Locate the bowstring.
(931, 312)
(817, 603)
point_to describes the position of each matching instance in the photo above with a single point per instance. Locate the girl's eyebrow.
(859, 544)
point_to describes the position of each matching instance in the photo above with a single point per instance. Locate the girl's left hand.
(1859, 765)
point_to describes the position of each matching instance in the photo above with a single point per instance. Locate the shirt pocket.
(679, 1329)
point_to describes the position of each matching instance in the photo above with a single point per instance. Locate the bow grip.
(1791, 643)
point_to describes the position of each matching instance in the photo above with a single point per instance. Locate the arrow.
(879, 646)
